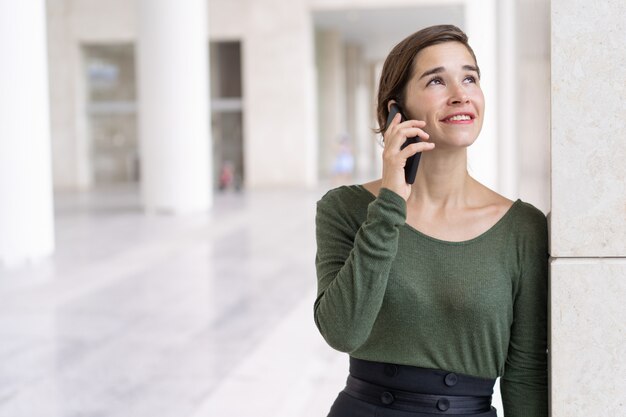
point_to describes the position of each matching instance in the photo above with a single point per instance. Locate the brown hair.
(398, 67)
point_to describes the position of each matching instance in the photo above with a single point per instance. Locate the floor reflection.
(206, 315)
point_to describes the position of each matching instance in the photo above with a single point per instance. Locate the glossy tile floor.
(162, 316)
(158, 316)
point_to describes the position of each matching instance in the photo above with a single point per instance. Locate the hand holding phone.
(410, 168)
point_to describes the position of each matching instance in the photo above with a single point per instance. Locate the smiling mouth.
(459, 118)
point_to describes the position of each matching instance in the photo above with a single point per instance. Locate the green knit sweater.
(388, 293)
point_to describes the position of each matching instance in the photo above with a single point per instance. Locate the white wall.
(532, 115)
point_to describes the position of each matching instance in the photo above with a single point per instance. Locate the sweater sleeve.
(524, 383)
(353, 266)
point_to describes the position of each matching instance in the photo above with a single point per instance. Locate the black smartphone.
(410, 169)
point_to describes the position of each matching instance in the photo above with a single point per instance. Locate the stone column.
(332, 96)
(508, 152)
(483, 161)
(588, 220)
(174, 115)
(279, 94)
(531, 117)
(26, 211)
(374, 71)
(358, 111)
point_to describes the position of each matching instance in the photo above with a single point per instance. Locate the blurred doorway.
(227, 114)
(111, 113)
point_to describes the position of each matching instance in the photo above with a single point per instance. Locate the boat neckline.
(490, 230)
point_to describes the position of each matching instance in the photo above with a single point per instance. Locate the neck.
(442, 178)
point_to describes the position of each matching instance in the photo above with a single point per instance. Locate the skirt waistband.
(415, 402)
(420, 380)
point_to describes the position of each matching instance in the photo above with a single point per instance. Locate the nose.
(459, 96)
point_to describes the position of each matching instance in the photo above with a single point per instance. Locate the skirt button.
(391, 370)
(386, 398)
(443, 404)
(451, 379)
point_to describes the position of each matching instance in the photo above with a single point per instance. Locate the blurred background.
(162, 163)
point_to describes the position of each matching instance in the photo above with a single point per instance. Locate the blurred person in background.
(343, 165)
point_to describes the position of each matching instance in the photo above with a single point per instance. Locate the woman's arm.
(524, 385)
(353, 266)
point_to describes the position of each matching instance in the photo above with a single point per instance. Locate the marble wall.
(588, 148)
(588, 220)
(587, 337)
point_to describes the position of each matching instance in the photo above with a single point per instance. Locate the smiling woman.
(438, 287)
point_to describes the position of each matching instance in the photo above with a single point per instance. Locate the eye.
(435, 81)
(470, 79)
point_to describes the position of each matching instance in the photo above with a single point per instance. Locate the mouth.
(459, 118)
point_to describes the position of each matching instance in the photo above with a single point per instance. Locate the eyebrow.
(442, 69)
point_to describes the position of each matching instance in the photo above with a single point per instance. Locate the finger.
(411, 132)
(412, 123)
(394, 128)
(391, 128)
(414, 148)
(396, 142)
(395, 121)
(406, 129)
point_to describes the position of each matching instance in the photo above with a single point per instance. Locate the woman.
(436, 288)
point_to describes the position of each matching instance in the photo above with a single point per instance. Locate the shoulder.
(347, 202)
(343, 207)
(529, 218)
(530, 228)
(346, 195)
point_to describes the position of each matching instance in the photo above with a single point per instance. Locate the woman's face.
(445, 93)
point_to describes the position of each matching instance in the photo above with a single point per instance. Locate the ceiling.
(378, 30)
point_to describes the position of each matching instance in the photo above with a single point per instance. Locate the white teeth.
(460, 117)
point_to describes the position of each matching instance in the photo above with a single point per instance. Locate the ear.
(389, 103)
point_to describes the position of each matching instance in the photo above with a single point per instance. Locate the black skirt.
(376, 389)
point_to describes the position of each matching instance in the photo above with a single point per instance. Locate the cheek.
(429, 104)
(479, 99)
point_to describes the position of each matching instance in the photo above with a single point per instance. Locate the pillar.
(331, 81)
(280, 129)
(173, 99)
(588, 220)
(358, 111)
(531, 110)
(26, 209)
(374, 72)
(480, 26)
(508, 151)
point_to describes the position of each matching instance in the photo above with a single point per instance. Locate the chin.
(458, 142)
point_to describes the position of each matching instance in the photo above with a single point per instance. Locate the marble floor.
(159, 316)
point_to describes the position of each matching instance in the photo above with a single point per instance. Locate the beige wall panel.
(588, 329)
(588, 130)
(103, 21)
(228, 18)
(279, 95)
